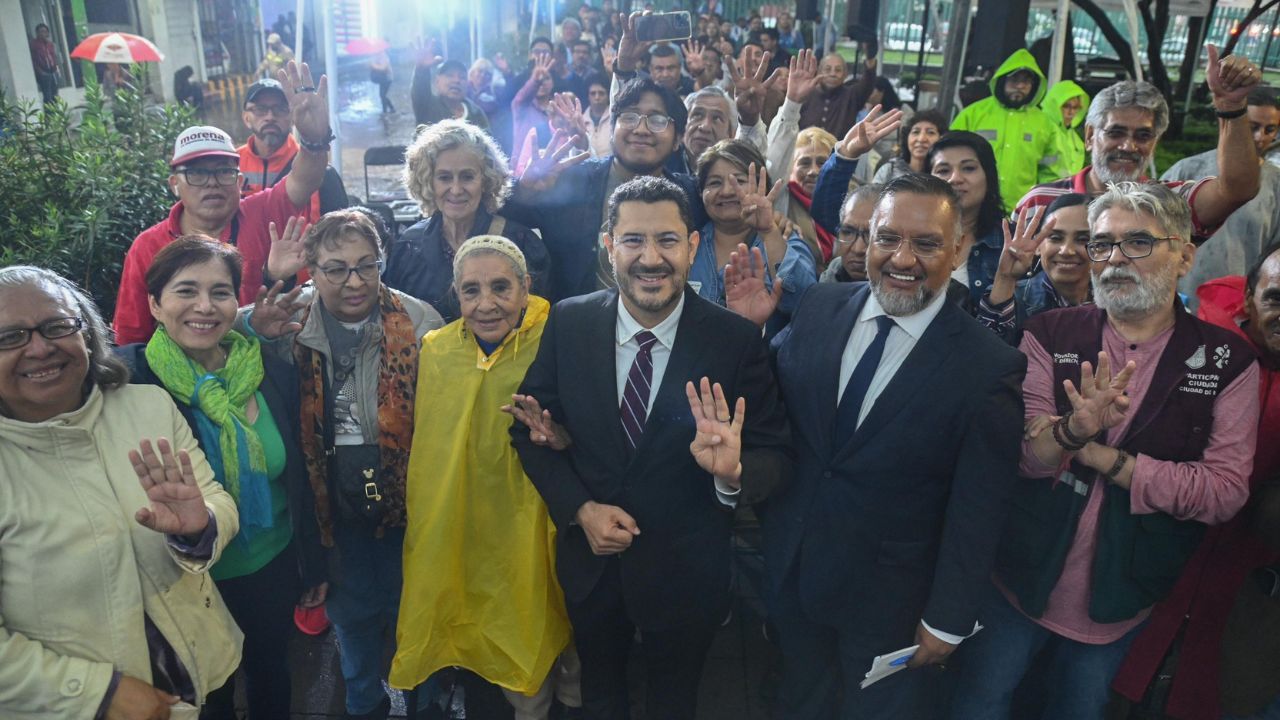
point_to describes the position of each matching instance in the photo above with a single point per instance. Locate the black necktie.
(859, 382)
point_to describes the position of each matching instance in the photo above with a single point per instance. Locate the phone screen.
(663, 26)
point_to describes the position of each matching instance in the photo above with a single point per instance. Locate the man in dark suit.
(907, 418)
(643, 494)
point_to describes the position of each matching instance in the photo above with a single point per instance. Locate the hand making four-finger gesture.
(1021, 243)
(548, 163)
(177, 505)
(803, 76)
(745, 290)
(717, 444)
(750, 87)
(757, 199)
(308, 102)
(693, 58)
(1100, 403)
(872, 129)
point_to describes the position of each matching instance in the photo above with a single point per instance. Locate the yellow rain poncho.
(480, 589)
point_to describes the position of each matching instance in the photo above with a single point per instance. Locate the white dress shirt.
(902, 339)
(627, 349)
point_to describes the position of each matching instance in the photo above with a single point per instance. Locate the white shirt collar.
(665, 331)
(913, 325)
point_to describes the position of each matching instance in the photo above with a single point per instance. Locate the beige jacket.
(78, 573)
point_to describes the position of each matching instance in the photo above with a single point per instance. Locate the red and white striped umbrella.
(117, 47)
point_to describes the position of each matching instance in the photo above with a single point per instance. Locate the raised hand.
(1021, 244)
(547, 164)
(744, 288)
(693, 58)
(609, 529)
(428, 52)
(566, 114)
(177, 506)
(1230, 79)
(803, 76)
(287, 255)
(273, 313)
(630, 50)
(541, 68)
(757, 199)
(750, 87)
(608, 55)
(543, 430)
(308, 102)
(717, 445)
(1100, 404)
(864, 135)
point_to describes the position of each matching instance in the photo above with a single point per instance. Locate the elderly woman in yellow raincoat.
(480, 590)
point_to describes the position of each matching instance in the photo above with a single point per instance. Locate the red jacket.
(1207, 589)
(247, 231)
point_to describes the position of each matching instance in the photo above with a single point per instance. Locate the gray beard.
(899, 304)
(1148, 295)
(1107, 176)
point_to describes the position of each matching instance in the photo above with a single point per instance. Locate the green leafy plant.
(78, 184)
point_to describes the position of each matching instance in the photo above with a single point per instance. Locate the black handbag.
(355, 473)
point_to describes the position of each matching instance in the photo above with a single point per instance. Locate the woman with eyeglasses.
(241, 407)
(354, 342)
(1057, 238)
(110, 518)
(460, 179)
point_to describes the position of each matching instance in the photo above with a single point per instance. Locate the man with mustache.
(885, 540)
(267, 156)
(1124, 125)
(1235, 247)
(1124, 463)
(439, 91)
(651, 384)
(206, 181)
(1021, 134)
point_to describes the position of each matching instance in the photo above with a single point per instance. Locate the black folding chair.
(382, 155)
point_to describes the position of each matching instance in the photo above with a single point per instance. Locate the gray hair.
(870, 192)
(106, 370)
(420, 162)
(1130, 94)
(716, 92)
(1156, 200)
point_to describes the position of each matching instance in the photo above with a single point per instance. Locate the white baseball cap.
(201, 141)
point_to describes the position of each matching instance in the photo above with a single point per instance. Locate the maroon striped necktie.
(635, 397)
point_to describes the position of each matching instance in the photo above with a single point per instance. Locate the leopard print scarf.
(397, 380)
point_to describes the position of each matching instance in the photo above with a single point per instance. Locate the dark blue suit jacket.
(570, 217)
(677, 570)
(901, 522)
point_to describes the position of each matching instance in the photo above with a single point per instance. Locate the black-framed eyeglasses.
(18, 337)
(1134, 247)
(656, 122)
(199, 177)
(340, 274)
(847, 235)
(921, 248)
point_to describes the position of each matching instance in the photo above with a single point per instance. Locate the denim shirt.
(984, 258)
(708, 279)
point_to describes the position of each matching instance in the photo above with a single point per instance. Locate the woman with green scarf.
(242, 408)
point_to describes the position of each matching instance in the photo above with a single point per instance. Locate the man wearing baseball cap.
(206, 178)
(269, 153)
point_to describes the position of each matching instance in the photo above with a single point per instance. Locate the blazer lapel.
(599, 368)
(926, 361)
(827, 369)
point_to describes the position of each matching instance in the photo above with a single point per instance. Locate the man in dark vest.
(1125, 463)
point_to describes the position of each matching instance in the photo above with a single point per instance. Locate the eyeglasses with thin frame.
(264, 110)
(340, 274)
(656, 122)
(847, 235)
(18, 337)
(920, 247)
(200, 177)
(1134, 247)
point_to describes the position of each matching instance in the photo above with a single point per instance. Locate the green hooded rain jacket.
(1069, 145)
